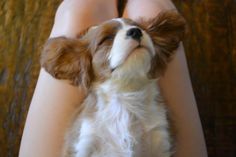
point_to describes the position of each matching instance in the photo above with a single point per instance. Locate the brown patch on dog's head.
(100, 41)
(167, 30)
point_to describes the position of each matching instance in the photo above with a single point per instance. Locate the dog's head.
(116, 48)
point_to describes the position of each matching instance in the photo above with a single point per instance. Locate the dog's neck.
(129, 84)
(131, 95)
(123, 108)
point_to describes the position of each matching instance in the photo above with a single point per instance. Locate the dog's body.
(121, 121)
(118, 64)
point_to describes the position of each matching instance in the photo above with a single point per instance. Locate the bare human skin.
(54, 100)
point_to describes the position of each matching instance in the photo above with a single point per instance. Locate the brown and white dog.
(118, 64)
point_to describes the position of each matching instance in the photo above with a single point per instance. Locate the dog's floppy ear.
(69, 59)
(167, 30)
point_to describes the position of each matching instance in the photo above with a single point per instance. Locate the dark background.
(210, 49)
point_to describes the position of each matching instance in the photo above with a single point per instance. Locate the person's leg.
(54, 101)
(176, 86)
(73, 16)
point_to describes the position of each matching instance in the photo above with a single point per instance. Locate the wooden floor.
(210, 49)
(211, 52)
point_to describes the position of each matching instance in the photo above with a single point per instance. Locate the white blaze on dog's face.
(133, 47)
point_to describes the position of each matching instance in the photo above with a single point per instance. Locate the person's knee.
(73, 16)
(146, 8)
(94, 10)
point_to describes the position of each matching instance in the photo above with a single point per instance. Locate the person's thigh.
(54, 101)
(176, 86)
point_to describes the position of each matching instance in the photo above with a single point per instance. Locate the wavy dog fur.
(118, 64)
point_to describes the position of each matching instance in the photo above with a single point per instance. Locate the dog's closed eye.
(106, 38)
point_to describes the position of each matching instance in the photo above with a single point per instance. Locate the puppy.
(117, 64)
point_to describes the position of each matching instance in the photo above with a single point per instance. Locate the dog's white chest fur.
(125, 122)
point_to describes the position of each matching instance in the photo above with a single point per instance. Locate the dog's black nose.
(135, 33)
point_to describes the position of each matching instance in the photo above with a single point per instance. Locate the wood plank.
(24, 27)
(210, 49)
